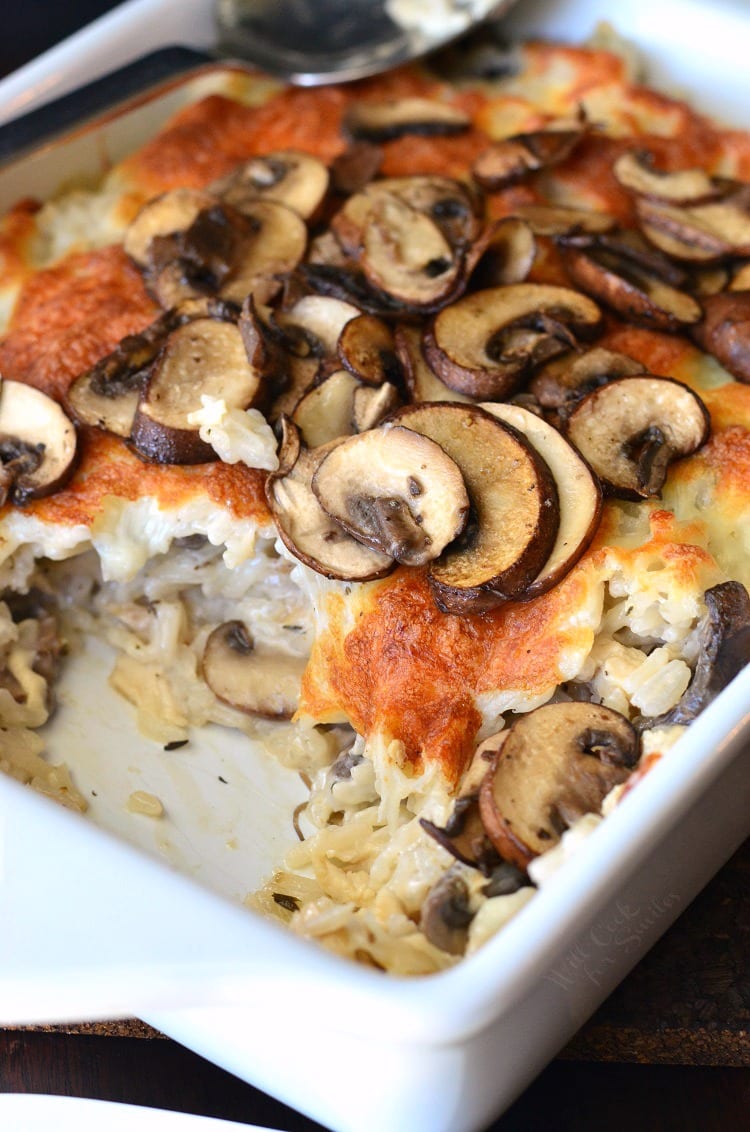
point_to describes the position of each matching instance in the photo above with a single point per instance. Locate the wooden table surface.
(670, 1050)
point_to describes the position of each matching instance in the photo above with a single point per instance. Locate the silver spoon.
(313, 42)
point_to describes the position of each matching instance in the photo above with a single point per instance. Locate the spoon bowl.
(314, 42)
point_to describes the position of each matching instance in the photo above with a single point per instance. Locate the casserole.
(647, 922)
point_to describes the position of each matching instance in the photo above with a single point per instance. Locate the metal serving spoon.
(313, 42)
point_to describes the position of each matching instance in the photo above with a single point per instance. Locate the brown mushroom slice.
(367, 349)
(405, 254)
(371, 405)
(636, 293)
(513, 525)
(378, 121)
(318, 321)
(724, 331)
(286, 176)
(396, 491)
(635, 171)
(554, 220)
(565, 379)
(508, 256)
(308, 531)
(632, 428)
(164, 215)
(422, 383)
(355, 167)
(513, 158)
(273, 250)
(204, 357)
(326, 411)
(578, 492)
(557, 763)
(38, 444)
(723, 651)
(446, 914)
(483, 344)
(252, 677)
(464, 835)
(106, 396)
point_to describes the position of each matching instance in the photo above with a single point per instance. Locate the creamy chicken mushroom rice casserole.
(406, 426)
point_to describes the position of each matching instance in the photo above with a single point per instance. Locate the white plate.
(29, 1112)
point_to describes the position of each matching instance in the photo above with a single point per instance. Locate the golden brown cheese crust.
(388, 659)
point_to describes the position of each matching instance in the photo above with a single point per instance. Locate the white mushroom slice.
(578, 492)
(567, 378)
(372, 404)
(421, 381)
(251, 677)
(514, 518)
(287, 176)
(384, 121)
(635, 171)
(632, 428)
(205, 357)
(171, 212)
(509, 255)
(396, 491)
(556, 764)
(38, 444)
(275, 247)
(326, 411)
(553, 220)
(318, 320)
(513, 158)
(308, 531)
(484, 343)
(741, 278)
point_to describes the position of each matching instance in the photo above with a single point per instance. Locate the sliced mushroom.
(578, 492)
(557, 763)
(273, 250)
(508, 256)
(305, 528)
(446, 914)
(723, 651)
(632, 428)
(286, 176)
(483, 344)
(383, 121)
(315, 323)
(635, 171)
(164, 215)
(326, 411)
(464, 835)
(724, 331)
(421, 381)
(567, 378)
(106, 396)
(513, 158)
(554, 220)
(741, 278)
(367, 349)
(702, 232)
(204, 357)
(38, 444)
(251, 677)
(515, 515)
(372, 404)
(355, 167)
(396, 491)
(622, 279)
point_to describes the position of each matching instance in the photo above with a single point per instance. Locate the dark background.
(669, 1052)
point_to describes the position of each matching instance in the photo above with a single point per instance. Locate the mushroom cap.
(482, 344)
(396, 491)
(514, 518)
(254, 678)
(630, 429)
(556, 764)
(38, 443)
(286, 176)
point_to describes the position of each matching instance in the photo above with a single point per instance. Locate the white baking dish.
(93, 927)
